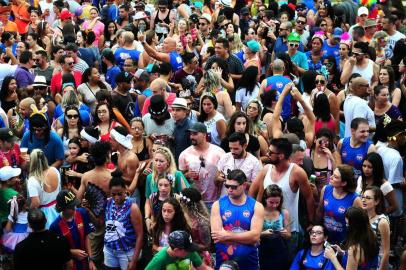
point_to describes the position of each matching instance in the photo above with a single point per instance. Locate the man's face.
(274, 155)
(283, 30)
(197, 138)
(68, 65)
(39, 60)
(300, 23)
(203, 25)
(122, 13)
(178, 114)
(71, 54)
(358, 54)
(220, 50)
(39, 131)
(386, 25)
(237, 150)
(157, 90)
(298, 158)
(128, 65)
(362, 19)
(361, 133)
(234, 189)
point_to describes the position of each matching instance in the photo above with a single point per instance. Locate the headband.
(88, 137)
(121, 139)
(36, 111)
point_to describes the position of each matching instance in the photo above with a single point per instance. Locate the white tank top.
(290, 198)
(366, 72)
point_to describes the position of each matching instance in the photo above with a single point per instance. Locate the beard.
(238, 156)
(274, 162)
(194, 142)
(159, 121)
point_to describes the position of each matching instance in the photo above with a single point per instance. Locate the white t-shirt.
(244, 98)
(50, 6)
(355, 107)
(392, 40)
(386, 187)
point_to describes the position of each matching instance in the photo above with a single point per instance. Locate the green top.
(162, 261)
(5, 196)
(152, 186)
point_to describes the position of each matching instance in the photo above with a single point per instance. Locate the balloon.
(78, 11)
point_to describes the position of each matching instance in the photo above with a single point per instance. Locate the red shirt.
(13, 157)
(56, 81)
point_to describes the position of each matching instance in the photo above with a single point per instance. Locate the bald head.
(278, 66)
(158, 87)
(169, 44)
(25, 106)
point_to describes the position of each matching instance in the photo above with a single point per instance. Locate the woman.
(383, 107)
(198, 220)
(248, 90)
(34, 21)
(80, 39)
(333, 81)
(141, 144)
(109, 37)
(387, 78)
(345, 49)
(121, 249)
(379, 42)
(72, 126)
(213, 120)
(105, 120)
(8, 93)
(236, 46)
(94, 25)
(322, 157)
(91, 84)
(170, 218)
(268, 100)
(44, 32)
(32, 40)
(212, 84)
(374, 204)
(44, 184)
(373, 175)
(324, 118)
(254, 112)
(21, 46)
(339, 192)
(164, 165)
(239, 122)
(273, 250)
(180, 32)
(218, 64)
(315, 55)
(360, 246)
(77, 167)
(312, 256)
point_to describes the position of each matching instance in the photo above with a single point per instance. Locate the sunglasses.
(329, 65)
(357, 54)
(322, 82)
(202, 162)
(202, 24)
(233, 187)
(72, 116)
(70, 63)
(40, 87)
(294, 45)
(301, 22)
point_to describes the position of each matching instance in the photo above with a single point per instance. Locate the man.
(277, 82)
(199, 163)
(355, 106)
(181, 254)
(358, 34)
(187, 78)
(41, 136)
(74, 224)
(389, 26)
(21, 15)
(158, 87)
(127, 50)
(299, 59)
(43, 67)
(67, 64)
(300, 28)
(9, 179)
(362, 17)
(204, 26)
(237, 158)
(123, 16)
(168, 54)
(291, 178)
(182, 123)
(79, 64)
(143, 82)
(251, 50)
(158, 121)
(222, 50)
(360, 63)
(236, 224)
(97, 179)
(331, 46)
(112, 69)
(9, 150)
(352, 150)
(23, 75)
(24, 110)
(281, 43)
(42, 249)
(127, 163)
(370, 29)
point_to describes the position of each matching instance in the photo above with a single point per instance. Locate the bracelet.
(146, 218)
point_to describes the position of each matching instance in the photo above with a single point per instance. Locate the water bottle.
(15, 117)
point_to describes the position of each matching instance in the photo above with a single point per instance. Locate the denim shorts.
(117, 259)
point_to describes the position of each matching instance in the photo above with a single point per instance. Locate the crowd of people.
(215, 134)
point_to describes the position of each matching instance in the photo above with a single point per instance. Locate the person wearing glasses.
(298, 57)
(72, 126)
(43, 67)
(67, 63)
(236, 224)
(300, 28)
(161, 18)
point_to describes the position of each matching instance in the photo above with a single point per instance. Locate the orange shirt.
(10, 27)
(21, 11)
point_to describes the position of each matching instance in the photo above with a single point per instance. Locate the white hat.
(226, 3)
(206, 16)
(363, 11)
(125, 141)
(180, 103)
(40, 81)
(140, 15)
(138, 73)
(8, 172)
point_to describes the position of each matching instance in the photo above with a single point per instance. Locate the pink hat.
(346, 39)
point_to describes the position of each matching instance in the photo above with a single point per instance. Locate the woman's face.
(273, 202)
(240, 124)
(72, 116)
(73, 149)
(207, 105)
(137, 129)
(93, 13)
(368, 200)
(168, 212)
(402, 67)
(12, 88)
(322, 11)
(320, 82)
(214, 65)
(336, 180)
(34, 17)
(95, 75)
(160, 162)
(252, 110)
(383, 76)
(103, 113)
(317, 235)
(164, 186)
(182, 26)
(79, 37)
(179, 48)
(323, 142)
(230, 30)
(316, 45)
(367, 168)
(343, 50)
(251, 34)
(112, 28)
(10, 41)
(382, 42)
(329, 65)
(323, 26)
(118, 194)
(284, 18)
(383, 96)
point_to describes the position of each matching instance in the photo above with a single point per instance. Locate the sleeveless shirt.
(354, 156)
(367, 72)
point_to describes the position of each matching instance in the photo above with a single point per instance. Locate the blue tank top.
(175, 60)
(120, 234)
(237, 218)
(275, 225)
(311, 262)
(278, 82)
(334, 214)
(354, 156)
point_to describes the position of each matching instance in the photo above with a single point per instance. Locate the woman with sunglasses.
(383, 107)
(72, 126)
(312, 256)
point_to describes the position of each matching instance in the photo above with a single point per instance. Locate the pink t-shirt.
(98, 30)
(169, 101)
(192, 160)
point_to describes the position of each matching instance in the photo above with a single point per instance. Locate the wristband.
(10, 218)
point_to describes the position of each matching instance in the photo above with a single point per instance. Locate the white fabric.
(241, 97)
(386, 187)
(356, 107)
(367, 72)
(121, 139)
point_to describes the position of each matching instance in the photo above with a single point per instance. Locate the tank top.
(334, 214)
(330, 125)
(237, 218)
(290, 198)
(211, 126)
(367, 72)
(143, 154)
(159, 29)
(354, 156)
(120, 234)
(176, 61)
(375, 229)
(275, 225)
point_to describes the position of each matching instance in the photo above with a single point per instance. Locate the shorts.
(117, 259)
(96, 244)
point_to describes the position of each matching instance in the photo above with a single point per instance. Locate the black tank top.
(143, 155)
(166, 20)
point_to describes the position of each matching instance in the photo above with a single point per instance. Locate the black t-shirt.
(126, 105)
(42, 250)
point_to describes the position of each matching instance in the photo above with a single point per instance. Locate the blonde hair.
(212, 81)
(38, 166)
(170, 159)
(176, 31)
(236, 43)
(70, 99)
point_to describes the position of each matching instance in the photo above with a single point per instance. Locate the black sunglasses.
(233, 187)
(72, 116)
(202, 162)
(322, 82)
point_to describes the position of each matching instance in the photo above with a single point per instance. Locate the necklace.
(240, 165)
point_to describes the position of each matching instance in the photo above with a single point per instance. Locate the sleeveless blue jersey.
(237, 218)
(175, 60)
(278, 82)
(310, 262)
(354, 156)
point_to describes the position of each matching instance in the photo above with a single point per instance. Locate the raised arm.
(311, 118)
(276, 123)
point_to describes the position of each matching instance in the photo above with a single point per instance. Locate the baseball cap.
(7, 134)
(66, 199)
(198, 127)
(180, 103)
(244, 11)
(124, 76)
(295, 37)
(337, 32)
(253, 45)
(8, 172)
(194, 18)
(363, 11)
(65, 14)
(182, 240)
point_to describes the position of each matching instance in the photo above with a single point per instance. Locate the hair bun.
(117, 173)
